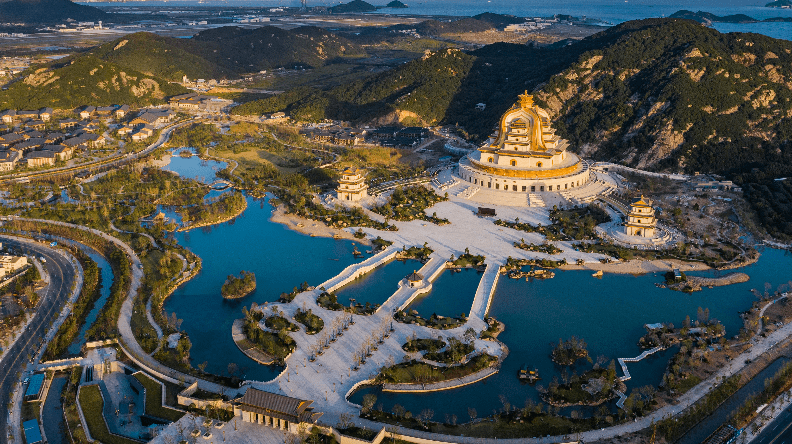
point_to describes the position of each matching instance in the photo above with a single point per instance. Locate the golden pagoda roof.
(642, 201)
(352, 171)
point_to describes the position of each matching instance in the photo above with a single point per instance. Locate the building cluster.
(707, 183)
(142, 126)
(38, 138)
(34, 138)
(200, 102)
(387, 136)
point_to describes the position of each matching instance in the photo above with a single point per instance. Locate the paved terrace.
(330, 377)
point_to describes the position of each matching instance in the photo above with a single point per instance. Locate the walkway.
(331, 376)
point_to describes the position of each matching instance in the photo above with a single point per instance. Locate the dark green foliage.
(165, 57)
(419, 372)
(276, 345)
(426, 344)
(453, 354)
(313, 323)
(249, 50)
(425, 86)
(86, 80)
(407, 204)
(572, 392)
(279, 323)
(570, 351)
(237, 287)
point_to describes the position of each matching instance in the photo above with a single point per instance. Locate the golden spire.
(526, 100)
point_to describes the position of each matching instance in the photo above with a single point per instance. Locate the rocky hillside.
(85, 81)
(675, 95)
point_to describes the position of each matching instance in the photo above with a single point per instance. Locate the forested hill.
(226, 52)
(48, 11)
(85, 81)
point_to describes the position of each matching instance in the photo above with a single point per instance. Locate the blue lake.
(378, 285)
(280, 258)
(452, 294)
(608, 313)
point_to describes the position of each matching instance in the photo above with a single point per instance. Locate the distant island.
(708, 18)
(353, 6)
(398, 4)
(780, 4)
(239, 287)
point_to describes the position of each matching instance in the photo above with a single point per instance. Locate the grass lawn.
(92, 406)
(154, 405)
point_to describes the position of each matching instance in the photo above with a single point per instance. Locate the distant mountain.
(48, 11)
(396, 4)
(250, 50)
(85, 80)
(706, 17)
(353, 6)
(780, 4)
(226, 52)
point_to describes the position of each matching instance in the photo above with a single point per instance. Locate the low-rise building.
(8, 116)
(45, 114)
(274, 410)
(142, 133)
(68, 123)
(87, 112)
(9, 159)
(62, 152)
(12, 263)
(40, 158)
(121, 111)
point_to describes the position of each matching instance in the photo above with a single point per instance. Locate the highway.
(777, 432)
(62, 277)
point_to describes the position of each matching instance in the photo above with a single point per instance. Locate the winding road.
(14, 361)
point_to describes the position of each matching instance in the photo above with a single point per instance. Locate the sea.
(610, 12)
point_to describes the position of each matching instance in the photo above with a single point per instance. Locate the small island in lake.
(239, 287)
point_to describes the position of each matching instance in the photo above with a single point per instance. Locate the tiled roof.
(275, 405)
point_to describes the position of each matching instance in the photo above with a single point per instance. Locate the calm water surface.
(107, 280)
(452, 294)
(609, 313)
(379, 284)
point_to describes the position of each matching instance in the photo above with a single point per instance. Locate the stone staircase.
(468, 192)
(535, 200)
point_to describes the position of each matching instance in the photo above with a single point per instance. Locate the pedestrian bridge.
(220, 185)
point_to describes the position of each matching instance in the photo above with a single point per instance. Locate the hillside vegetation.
(226, 52)
(85, 81)
(420, 90)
